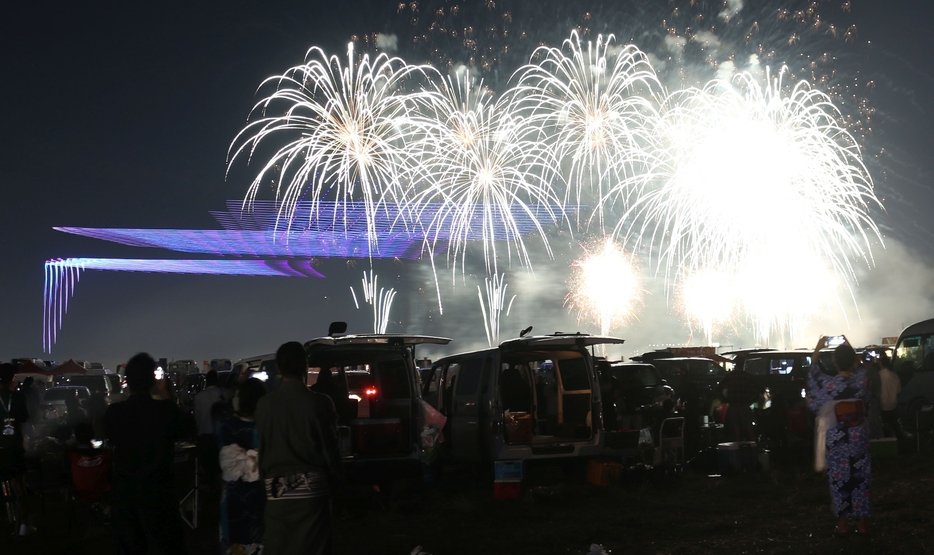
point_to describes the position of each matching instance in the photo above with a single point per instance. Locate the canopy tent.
(30, 367)
(70, 367)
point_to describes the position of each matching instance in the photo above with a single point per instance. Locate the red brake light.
(370, 391)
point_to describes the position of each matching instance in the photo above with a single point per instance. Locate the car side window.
(450, 382)
(432, 385)
(574, 374)
(781, 366)
(469, 376)
(757, 366)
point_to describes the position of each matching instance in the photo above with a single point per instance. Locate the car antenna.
(525, 332)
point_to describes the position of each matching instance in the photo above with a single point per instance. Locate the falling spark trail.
(492, 306)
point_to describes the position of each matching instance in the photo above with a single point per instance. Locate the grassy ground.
(783, 510)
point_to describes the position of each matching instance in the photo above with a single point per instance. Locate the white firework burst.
(340, 133)
(596, 104)
(757, 181)
(478, 167)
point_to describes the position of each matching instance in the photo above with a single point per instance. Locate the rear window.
(59, 394)
(386, 370)
(94, 383)
(667, 368)
(643, 375)
(358, 380)
(704, 368)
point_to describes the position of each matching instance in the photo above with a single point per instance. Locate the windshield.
(911, 351)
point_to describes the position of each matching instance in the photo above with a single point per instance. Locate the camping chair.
(671, 442)
(90, 481)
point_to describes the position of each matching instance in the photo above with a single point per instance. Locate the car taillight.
(370, 392)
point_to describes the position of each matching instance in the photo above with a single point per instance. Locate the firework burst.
(480, 163)
(605, 287)
(595, 105)
(756, 177)
(344, 131)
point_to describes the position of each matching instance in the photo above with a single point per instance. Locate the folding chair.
(671, 442)
(90, 481)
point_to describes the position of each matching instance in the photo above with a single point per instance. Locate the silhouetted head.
(210, 378)
(325, 378)
(884, 360)
(844, 357)
(7, 371)
(292, 361)
(140, 373)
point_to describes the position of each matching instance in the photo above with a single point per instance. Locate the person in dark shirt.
(299, 460)
(143, 432)
(13, 414)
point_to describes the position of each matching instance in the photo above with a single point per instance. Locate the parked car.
(191, 385)
(784, 375)
(694, 379)
(529, 398)
(262, 367)
(98, 384)
(117, 387)
(183, 366)
(57, 409)
(386, 443)
(631, 388)
(914, 364)
(633, 398)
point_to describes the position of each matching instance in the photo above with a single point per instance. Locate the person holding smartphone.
(143, 432)
(842, 433)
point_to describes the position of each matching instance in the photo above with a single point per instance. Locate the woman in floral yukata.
(840, 402)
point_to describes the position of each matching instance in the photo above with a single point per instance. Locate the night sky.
(120, 115)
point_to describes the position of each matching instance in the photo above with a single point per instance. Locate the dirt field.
(783, 510)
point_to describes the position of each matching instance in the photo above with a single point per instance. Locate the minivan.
(529, 398)
(383, 441)
(914, 364)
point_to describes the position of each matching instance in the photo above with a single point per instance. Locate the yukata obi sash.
(850, 412)
(303, 485)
